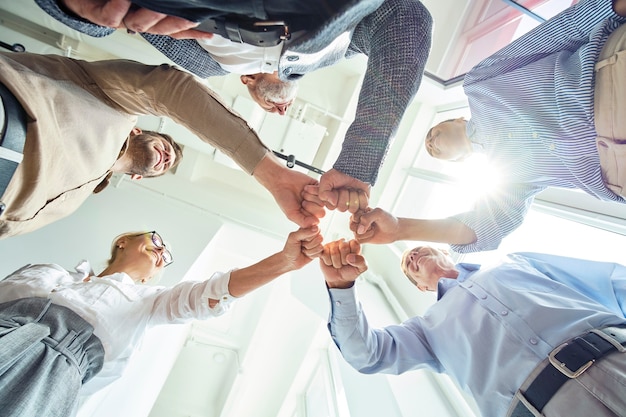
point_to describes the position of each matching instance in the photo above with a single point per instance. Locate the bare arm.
(300, 248)
(379, 226)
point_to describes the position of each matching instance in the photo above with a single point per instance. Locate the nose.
(167, 158)
(281, 108)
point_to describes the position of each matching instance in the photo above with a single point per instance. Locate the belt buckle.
(562, 367)
(279, 23)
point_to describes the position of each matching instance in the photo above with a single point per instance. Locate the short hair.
(114, 246)
(430, 132)
(405, 254)
(154, 279)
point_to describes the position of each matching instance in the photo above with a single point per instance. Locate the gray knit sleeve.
(397, 40)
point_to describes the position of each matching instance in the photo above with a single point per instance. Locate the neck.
(120, 266)
(451, 273)
(122, 165)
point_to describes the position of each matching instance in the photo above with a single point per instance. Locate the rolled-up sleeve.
(189, 300)
(217, 289)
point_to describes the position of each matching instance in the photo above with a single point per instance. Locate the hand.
(374, 226)
(118, 14)
(342, 192)
(101, 12)
(147, 21)
(287, 186)
(342, 263)
(302, 246)
(619, 7)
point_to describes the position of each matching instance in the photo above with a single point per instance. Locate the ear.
(135, 176)
(135, 131)
(121, 242)
(247, 79)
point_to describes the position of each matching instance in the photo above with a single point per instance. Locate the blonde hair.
(114, 246)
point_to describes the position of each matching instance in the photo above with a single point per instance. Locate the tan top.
(79, 116)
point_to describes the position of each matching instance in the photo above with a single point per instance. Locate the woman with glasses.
(59, 329)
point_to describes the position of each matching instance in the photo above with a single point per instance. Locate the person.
(537, 335)
(395, 35)
(545, 113)
(63, 333)
(64, 158)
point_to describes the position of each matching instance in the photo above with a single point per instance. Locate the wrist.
(267, 170)
(402, 231)
(340, 285)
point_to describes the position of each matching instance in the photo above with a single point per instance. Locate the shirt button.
(337, 303)
(470, 285)
(504, 312)
(533, 341)
(287, 70)
(552, 146)
(483, 296)
(293, 58)
(225, 297)
(535, 135)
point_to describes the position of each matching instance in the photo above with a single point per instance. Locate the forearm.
(54, 9)
(396, 61)
(450, 231)
(392, 350)
(245, 280)
(167, 91)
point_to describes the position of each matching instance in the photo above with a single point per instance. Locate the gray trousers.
(46, 353)
(599, 392)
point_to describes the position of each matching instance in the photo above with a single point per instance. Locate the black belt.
(12, 139)
(256, 32)
(568, 361)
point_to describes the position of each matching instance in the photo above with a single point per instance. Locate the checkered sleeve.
(397, 40)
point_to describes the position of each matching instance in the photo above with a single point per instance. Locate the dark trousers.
(199, 10)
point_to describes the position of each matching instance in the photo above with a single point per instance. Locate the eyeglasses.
(157, 241)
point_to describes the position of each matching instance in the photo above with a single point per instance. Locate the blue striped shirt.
(532, 115)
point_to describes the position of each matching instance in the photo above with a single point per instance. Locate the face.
(145, 256)
(151, 155)
(448, 141)
(271, 93)
(425, 265)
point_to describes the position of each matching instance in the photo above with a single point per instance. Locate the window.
(491, 25)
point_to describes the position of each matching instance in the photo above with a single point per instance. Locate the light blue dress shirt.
(489, 328)
(532, 115)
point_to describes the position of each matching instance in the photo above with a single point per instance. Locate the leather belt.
(569, 361)
(12, 138)
(256, 32)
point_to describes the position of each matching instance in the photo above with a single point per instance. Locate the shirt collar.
(84, 269)
(465, 271)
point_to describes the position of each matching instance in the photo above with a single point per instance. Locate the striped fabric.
(532, 115)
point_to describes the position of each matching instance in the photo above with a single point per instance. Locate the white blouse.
(242, 58)
(119, 310)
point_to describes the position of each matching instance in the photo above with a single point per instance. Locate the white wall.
(87, 233)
